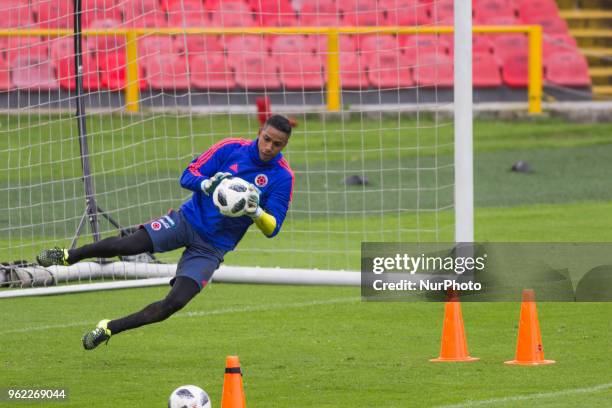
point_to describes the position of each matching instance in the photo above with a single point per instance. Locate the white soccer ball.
(189, 396)
(231, 196)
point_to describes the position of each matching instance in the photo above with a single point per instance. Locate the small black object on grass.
(521, 167)
(356, 180)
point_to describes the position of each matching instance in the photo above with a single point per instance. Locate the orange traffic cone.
(233, 394)
(529, 350)
(454, 345)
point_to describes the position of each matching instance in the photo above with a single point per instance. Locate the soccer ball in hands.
(189, 396)
(231, 196)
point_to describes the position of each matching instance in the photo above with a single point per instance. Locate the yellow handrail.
(333, 72)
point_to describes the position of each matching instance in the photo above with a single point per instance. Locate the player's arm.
(202, 173)
(270, 219)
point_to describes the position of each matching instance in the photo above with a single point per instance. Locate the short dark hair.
(279, 122)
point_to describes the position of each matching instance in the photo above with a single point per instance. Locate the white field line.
(202, 313)
(527, 397)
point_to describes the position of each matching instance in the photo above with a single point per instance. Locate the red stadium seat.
(494, 20)
(61, 47)
(155, 45)
(442, 11)
(510, 44)
(211, 71)
(550, 25)
(386, 70)
(105, 43)
(485, 10)
(414, 47)
(376, 43)
(67, 78)
(246, 44)
(434, 70)
(5, 76)
(274, 13)
(255, 71)
(187, 13)
(167, 72)
(54, 13)
(195, 44)
(15, 14)
(301, 71)
(100, 10)
(143, 13)
(319, 44)
(555, 43)
(320, 13)
(361, 12)
(26, 47)
(568, 69)
(33, 74)
(482, 44)
(352, 72)
(405, 12)
(290, 44)
(515, 69)
(112, 68)
(537, 8)
(486, 71)
(232, 14)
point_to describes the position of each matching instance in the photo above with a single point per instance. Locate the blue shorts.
(199, 260)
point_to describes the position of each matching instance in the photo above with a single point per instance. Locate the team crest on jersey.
(156, 226)
(261, 180)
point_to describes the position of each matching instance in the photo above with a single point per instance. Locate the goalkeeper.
(198, 225)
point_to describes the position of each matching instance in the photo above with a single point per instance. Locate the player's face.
(271, 142)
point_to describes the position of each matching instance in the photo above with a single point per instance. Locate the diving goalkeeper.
(198, 225)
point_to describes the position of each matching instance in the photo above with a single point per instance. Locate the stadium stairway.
(590, 26)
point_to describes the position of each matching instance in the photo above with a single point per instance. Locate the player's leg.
(183, 290)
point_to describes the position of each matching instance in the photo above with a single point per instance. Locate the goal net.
(378, 167)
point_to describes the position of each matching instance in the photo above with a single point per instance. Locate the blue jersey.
(240, 157)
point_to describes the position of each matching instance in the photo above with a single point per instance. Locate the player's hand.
(252, 206)
(209, 185)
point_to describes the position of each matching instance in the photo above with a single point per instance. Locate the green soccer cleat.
(97, 336)
(54, 256)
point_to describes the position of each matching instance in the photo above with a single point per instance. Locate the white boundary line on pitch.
(527, 397)
(204, 313)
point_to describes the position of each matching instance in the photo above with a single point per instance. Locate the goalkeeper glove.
(209, 185)
(252, 208)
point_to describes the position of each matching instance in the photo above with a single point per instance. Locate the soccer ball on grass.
(189, 396)
(231, 196)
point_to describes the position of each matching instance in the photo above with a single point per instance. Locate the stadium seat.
(187, 13)
(486, 72)
(211, 71)
(567, 69)
(510, 44)
(555, 43)
(195, 44)
(498, 20)
(155, 45)
(33, 74)
(387, 70)
(100, 10)
(274, 13)
(32, 47)
(375, 43)
(246, 44)
(485, 10)
(67, 77)
(319, 44)
(105, 43)
(361, 12)
(353, 73)
(143, 13)
(320, 13)
(482, 44)
(414, 47)
(537, 8)
(54, 13)
(515, 69)
(442, 11)
(112, 67)
(61, 47)
(5, 76)
(301, 71)
(550, 25)
(434, 70)
(16, 14)
(232, 14)
(167, 72)
(255, 71)
(290, 44)
(405, 12)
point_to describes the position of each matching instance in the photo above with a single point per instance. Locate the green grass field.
(312, 346)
